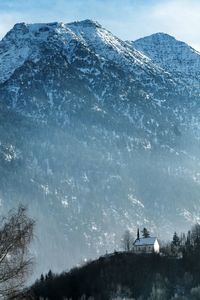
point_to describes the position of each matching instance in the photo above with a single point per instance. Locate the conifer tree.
(176, 240)
(145, 233)
(175, 244)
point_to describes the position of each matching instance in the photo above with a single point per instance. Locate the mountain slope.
(95, 138)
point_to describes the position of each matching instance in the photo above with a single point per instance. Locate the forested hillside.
(172, 274)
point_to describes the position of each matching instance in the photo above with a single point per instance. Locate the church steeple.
(138, 234)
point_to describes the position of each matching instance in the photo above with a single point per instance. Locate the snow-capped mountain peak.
(26, 42)
(85, 23)
(104, 43)
(176, 57)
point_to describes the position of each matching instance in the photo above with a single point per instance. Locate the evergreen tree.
(42, 278)
(188, 243)
(176, 240)
(175, 244)
(49, 275)
(145, 233)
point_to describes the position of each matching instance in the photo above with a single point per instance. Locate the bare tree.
(127, 241)
(16, 233)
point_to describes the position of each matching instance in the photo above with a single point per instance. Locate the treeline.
(174, 274)
(185, 246)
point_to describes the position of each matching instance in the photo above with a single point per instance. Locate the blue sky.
(128, 19)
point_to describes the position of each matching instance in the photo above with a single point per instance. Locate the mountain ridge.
(95, 139)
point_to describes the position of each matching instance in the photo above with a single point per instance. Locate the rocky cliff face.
(95, 138)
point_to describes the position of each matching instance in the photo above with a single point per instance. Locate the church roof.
(145, 241)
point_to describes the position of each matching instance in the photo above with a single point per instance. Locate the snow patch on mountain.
(108, 46)
(26, 41)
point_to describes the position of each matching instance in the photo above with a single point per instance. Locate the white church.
(146, 245)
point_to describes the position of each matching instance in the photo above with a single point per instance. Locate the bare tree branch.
(16, 233)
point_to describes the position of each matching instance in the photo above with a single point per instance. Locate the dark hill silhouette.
(175, 271)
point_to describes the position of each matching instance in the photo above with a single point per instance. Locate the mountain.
(175, 57)
(81, 51)
(95, 138)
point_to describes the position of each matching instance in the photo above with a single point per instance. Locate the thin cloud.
(7, 22)
(130, 19)
(179, 18)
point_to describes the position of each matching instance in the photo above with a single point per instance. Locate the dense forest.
(172, 274)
